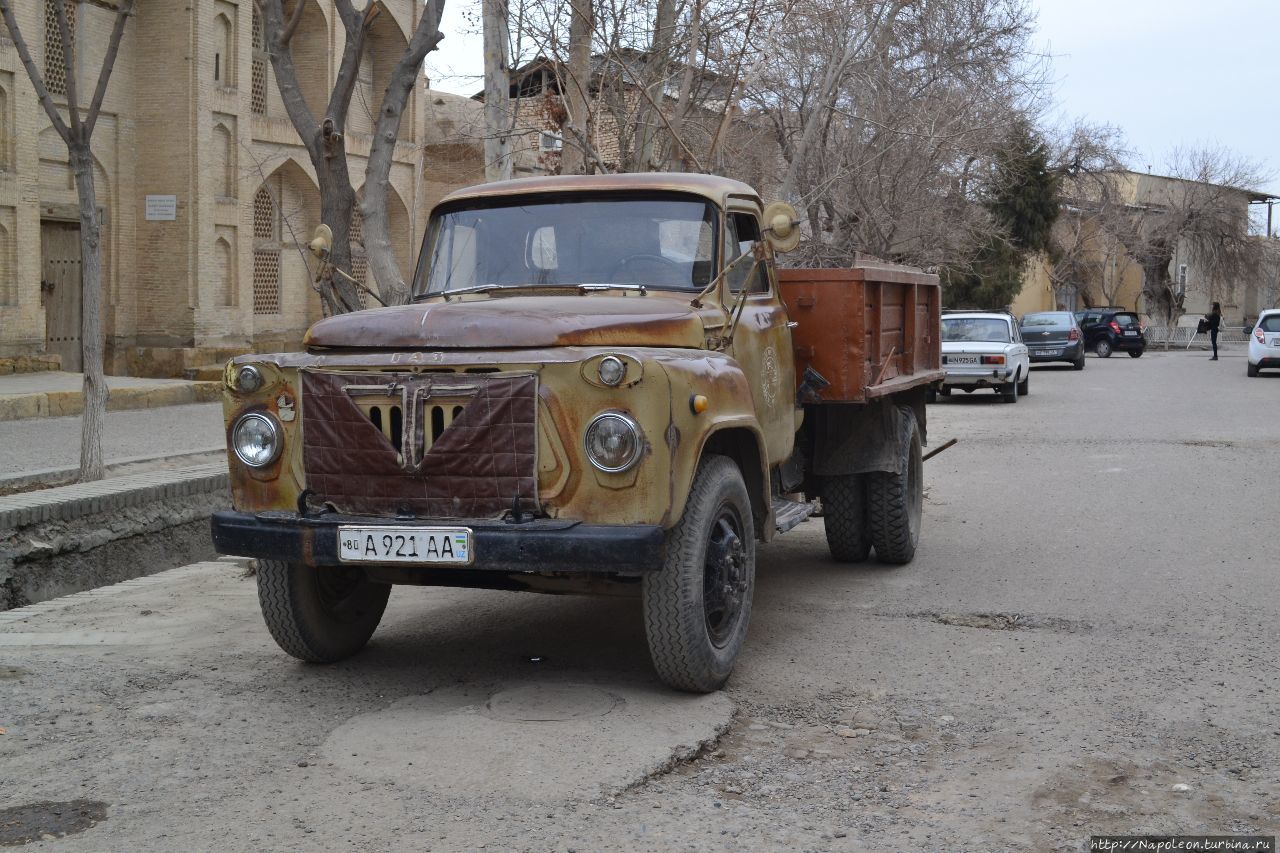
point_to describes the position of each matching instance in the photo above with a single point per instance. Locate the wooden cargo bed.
(870, 331)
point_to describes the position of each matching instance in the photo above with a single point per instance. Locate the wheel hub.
(724, 577)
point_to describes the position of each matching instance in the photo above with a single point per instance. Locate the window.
(223, 50)
(258, 71)
(975, 329)
(742, 235)
(224, 152)
(550, 141)
(5, 132)
(1127, 319)
(266, 254)
(659, 241)
(1270, 323)
(55, 58)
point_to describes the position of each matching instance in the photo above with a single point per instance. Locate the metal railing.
(1186, 336)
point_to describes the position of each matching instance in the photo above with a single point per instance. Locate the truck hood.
(517, 322)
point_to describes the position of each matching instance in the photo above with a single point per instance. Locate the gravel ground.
(1084, 644)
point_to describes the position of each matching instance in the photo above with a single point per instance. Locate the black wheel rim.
(339, 592)
(724, 576)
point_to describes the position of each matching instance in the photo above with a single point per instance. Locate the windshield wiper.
(584, 288)
(479, 288)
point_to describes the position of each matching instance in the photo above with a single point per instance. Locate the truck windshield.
(665, 242)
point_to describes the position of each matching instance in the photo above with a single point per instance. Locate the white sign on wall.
(162, 208)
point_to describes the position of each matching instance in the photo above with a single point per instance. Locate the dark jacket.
(1215, 321)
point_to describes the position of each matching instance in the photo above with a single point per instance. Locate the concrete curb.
(72, 538)
(66, 503)
(54, 404)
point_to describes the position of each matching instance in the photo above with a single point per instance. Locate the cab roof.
(711, 187)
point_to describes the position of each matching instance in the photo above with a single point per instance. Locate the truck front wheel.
(697, 606)
(895, 501)
(845, 519)
(320, 615)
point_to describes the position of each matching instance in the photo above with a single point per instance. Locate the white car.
(984, 349)
(1264, 342)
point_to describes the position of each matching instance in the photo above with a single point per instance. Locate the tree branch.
(108, 63)
(69, 63)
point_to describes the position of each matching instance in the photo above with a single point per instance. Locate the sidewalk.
(40, 447)
(58, 394)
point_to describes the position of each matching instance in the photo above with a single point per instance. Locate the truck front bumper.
(537, 545)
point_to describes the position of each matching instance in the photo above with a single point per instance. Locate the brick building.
(206, 193)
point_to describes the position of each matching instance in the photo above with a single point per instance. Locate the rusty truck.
(601, 384)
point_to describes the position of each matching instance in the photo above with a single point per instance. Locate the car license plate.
(448, 545)
(1130, 334)
(962, 359)
(1048, 352)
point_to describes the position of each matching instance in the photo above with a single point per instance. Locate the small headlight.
(256, 440)
(612, 370)
(613, 442)
(249, 379)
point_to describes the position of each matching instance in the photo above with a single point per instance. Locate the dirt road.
(1085, 644)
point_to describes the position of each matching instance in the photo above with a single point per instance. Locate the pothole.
(552, 703)
(12, 672)
(47, 821)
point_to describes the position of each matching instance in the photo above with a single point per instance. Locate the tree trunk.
(91, 336)
(679, 152)
(337, 202)
(497, 97)
(377, 173)
(573, 157)
(656, 68)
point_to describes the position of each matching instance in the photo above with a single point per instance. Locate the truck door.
(761, 339)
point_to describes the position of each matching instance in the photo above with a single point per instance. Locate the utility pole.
(497, 92)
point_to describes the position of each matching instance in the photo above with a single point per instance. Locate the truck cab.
(593, 389)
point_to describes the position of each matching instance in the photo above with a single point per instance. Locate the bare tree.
(497, 84)
(578, 81)
(324, 137)
(890, 118)
(377, 235)
(76, 132)
(1198, 215)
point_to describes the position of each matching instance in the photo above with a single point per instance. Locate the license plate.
(1130, 334)
(962, 359)
(449, 545)
(1048, 352)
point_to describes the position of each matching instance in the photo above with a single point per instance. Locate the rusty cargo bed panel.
(871, 330)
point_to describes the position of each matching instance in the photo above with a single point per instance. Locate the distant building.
(206, 193)
(1104, 273)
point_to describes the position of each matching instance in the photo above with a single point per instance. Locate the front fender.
(729, 409)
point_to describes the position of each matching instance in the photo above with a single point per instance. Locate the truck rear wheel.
(320, 615)
(895, 501)
(697, 606)
(844, 516)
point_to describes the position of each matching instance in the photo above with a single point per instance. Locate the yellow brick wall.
(172, 126)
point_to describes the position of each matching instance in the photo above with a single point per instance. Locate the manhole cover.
(11, 672)
(539, 704)
(35, 821)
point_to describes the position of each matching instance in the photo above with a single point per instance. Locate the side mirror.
(781, 227)
(321, 241)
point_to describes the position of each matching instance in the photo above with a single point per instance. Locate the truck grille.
(443, 445)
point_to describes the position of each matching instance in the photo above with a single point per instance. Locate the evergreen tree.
(1023, 202)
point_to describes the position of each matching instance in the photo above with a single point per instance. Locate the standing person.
(1215, 322)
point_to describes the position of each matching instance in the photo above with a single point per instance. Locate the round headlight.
(256, 440)
(249, 379)
(612, 370)
(613, 442)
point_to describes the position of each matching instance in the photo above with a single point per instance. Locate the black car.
(1053, 336)
(1109, 329)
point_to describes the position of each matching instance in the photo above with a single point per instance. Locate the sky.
(1168, 73)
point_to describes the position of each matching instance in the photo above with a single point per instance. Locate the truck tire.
(697, 606)
(895, 501)
(844, 514)
(319, 615)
